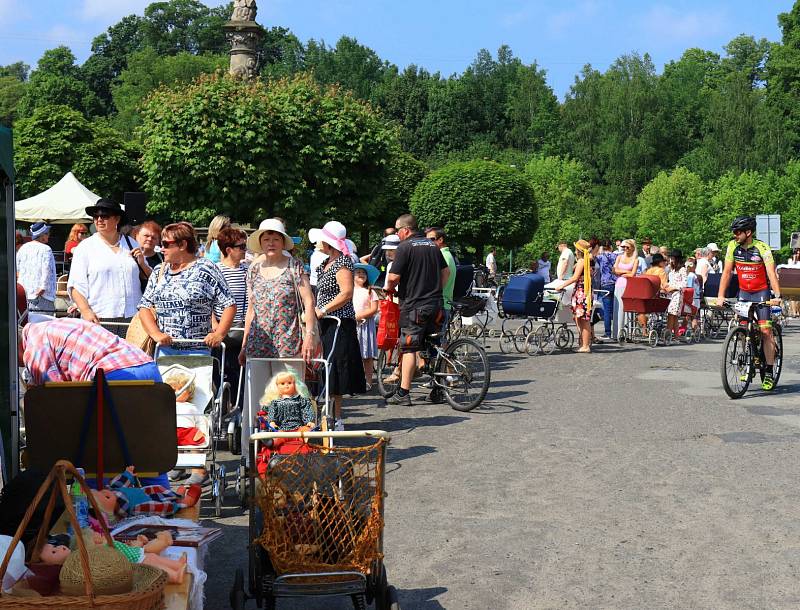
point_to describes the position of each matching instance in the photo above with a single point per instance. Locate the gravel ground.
(619, 479)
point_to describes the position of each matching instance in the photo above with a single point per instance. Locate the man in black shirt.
(419, 271)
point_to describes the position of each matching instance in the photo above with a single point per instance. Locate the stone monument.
(244, 36)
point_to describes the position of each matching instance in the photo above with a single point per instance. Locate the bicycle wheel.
(532, 343)
(463, 374)
(776, 368)
(521, 335)
(388, 370)
(736, 366)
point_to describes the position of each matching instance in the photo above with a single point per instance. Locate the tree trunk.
(364, 247)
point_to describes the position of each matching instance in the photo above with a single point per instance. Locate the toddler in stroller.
(286, 407)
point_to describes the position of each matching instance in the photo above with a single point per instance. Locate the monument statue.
(244, 36)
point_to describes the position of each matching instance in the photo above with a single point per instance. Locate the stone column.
(244, 35)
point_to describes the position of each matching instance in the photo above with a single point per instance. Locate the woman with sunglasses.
(233, 247)
(104, 275)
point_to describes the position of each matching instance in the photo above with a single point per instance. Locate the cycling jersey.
(751, 264)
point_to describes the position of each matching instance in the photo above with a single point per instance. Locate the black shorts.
(763, 312)
(416, 324)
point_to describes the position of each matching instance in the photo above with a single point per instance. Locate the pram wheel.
(547, 340)
(520, 337)
(565, 338)
(390, 601)
(652, 338)
(506, 343)
(532, 343)
(622, 337)
(637, 335)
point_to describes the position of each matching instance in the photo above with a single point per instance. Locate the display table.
(176, 597)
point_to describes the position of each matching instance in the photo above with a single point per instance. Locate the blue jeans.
(143, 372)
(608, 308)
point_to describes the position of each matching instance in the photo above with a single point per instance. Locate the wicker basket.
(148, 593)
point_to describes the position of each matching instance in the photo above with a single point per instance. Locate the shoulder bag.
(137, 335)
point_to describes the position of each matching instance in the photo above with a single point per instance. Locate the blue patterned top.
(184, 300)
(291, 413)
(606, 262)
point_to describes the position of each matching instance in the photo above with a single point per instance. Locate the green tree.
(674, 209)
(18, 70)
(11, 92)
(737, 194)
(57, 139)
(146, 71)
(562, 192)
(353, 66)
(783, 75)
(282, 53)
(176, 26)
(477, 203)
(290, 148)
(57, 81)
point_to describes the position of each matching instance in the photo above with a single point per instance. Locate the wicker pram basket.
(323, 511)
(148, 582)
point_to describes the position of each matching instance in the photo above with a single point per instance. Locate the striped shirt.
(237, 284)
(71, 349)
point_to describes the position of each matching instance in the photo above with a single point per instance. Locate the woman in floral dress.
(677, 281)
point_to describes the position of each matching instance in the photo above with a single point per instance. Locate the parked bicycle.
(459, 371)
(743, 353)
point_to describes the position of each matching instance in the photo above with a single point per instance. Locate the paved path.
(620, 479)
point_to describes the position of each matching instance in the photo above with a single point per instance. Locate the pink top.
(362, 297)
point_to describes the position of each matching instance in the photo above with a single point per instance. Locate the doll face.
(106, 500)
(54, 554)
(286, 386)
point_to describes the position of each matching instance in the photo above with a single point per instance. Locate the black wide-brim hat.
(111, 207)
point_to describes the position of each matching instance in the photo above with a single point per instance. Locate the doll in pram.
(286, 406)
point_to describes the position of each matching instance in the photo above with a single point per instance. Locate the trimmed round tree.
(477, 203)
(291, 148)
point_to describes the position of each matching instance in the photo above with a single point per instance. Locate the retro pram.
(641, 296)
(525, 297)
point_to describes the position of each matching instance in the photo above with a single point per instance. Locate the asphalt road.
(624, 478)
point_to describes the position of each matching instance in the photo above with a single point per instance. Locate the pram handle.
(262, 436)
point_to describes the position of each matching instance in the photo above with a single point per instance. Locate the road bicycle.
(459, 371)
(743, 352)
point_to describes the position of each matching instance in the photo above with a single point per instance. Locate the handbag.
(389, 323)
(137, 335)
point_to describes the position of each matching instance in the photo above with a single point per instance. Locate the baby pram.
(469, 314)
(524, 297)
(641, 296)
(199, 409)
(718, 318)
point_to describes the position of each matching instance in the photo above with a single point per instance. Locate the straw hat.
(270, 224)
(582, 244)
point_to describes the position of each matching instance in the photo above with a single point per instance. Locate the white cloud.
(111, 11)
(666, 24)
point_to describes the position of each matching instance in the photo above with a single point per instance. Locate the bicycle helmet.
(743, 223)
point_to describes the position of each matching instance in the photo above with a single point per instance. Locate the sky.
(440, 35)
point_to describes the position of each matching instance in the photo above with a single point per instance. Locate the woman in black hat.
(677, 280)
(104, 279)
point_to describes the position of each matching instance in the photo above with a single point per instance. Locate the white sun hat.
(713, 247)
(270, 224)
(333, 233)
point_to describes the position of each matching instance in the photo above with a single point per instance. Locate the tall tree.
(58, 139)
(783, 76)
(57, 81)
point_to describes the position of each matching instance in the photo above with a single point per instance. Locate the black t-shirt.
(419, 263)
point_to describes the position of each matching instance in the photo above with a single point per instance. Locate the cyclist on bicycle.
(755, 268)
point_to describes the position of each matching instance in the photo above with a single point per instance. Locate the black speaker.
(135, 207)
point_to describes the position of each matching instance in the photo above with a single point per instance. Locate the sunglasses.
(240, 246)
(168, 243)
(101, 216)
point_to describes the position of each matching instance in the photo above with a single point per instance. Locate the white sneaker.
(338, 426)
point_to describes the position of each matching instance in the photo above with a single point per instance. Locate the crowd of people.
(253, 292)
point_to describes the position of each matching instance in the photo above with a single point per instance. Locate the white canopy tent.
(62, 203)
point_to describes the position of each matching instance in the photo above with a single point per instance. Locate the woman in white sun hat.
(272, 325)
(335, 298)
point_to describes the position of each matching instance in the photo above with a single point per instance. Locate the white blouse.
(108, 280)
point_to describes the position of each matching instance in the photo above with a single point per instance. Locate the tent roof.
(6, 152)
(64, 202)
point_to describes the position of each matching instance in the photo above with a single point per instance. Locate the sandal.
(584, 350)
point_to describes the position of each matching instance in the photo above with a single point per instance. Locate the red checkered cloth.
(71, 349)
